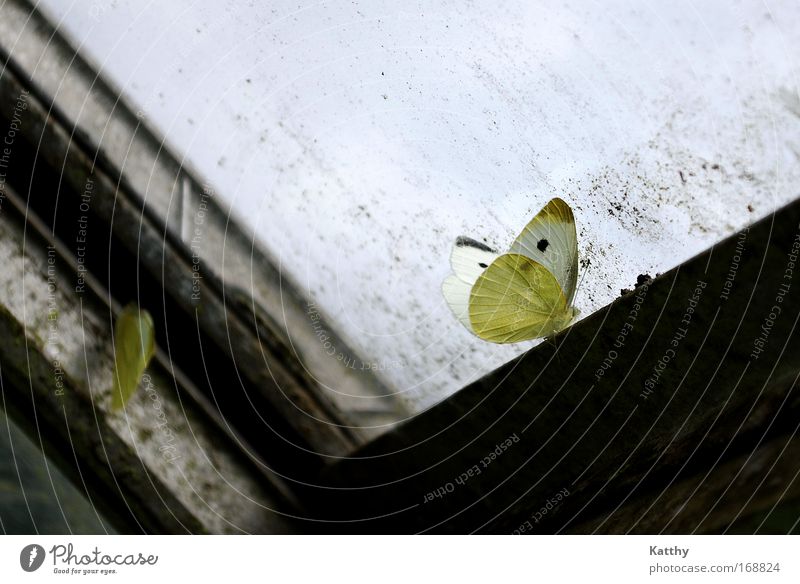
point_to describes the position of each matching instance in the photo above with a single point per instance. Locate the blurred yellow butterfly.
(524, 294)
(134, 346)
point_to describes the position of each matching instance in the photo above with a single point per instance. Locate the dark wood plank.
(583, 417)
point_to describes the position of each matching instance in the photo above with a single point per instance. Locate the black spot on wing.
(481, 264)
(464, 241)
(542, 245)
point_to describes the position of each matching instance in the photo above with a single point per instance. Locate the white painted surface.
(359, 139)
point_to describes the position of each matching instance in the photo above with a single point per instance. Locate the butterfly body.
(524, 294)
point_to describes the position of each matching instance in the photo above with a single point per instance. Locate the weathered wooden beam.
(159, 465)
(265, 372)
(675, 380)
(64, 423)
(749, 484)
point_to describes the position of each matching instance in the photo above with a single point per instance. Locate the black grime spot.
(542, 245)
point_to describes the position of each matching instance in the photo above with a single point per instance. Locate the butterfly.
(134, 339)
(524, 294)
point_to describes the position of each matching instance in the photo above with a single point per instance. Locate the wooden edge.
(657, 385)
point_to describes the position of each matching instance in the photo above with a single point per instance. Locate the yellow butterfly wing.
(134, 346)
(550, 238)
(516, 299)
